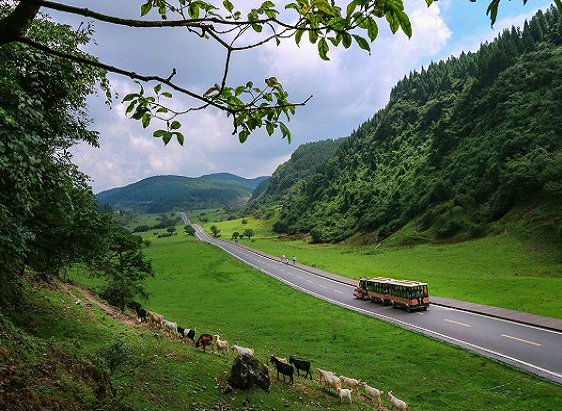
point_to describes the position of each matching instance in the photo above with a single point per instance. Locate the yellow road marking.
(458, 323)
(521, 340)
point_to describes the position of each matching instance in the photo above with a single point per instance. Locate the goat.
(350, 382)
(242, 350)
(187, 333)
(396, 403)
(155, 318)
(141, 314)
(204, 340)
(344, 392)
(222, 346)
(173, 327)
(324, 374)
(301, 365)
(372, 392)
(283, 368)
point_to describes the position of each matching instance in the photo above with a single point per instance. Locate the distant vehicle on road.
(412, 295)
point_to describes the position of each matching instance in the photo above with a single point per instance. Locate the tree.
(48, 214)
(322, 22)
(235, 235)
(124, 267)
(249, 233)
(215, 230)
(189, 230)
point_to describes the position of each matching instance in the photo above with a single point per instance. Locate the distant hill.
(168, 193)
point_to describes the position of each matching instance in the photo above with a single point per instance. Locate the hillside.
(171, 193)
(288, 178)
(462, 145)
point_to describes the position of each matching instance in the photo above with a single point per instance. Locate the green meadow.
(201, 287)
(502, 270)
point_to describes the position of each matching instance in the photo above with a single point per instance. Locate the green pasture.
(199, 286)
(501, 271)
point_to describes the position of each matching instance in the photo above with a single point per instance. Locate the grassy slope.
(199, 286)
(502, 270)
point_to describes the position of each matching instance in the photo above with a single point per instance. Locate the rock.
(248, 372)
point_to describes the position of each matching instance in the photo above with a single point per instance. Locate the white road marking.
(521, 340)
(458, 323)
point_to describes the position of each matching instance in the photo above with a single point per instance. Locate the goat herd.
(330, 379)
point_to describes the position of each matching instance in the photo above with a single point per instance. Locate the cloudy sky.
(347, 90)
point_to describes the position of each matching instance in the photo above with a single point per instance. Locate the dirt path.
(112, 311)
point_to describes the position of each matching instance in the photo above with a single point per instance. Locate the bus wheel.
(408, 308)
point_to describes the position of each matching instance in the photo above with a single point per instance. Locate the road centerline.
(458, 323)
(521, 340)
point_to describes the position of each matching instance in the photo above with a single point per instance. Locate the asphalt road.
(529, 348)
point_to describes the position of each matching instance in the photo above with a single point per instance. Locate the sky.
(347, 90)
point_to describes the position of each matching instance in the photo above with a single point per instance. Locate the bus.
(412, 295)
(375, 289)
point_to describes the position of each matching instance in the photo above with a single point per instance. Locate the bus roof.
(408, 283)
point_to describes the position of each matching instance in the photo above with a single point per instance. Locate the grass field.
(501, 271)
(199, 286)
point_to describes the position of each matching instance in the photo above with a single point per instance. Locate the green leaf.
(313, 36)
(175, 125)
(166, 94)
(157, 88)
(159, 133)
(323, 49)
(361, 42)
(179, 137)
(131, 107)
(372, 28)
(270, 128)
(243, 136)
(162, 110)
(146, 120)
(298, 36)
(346, 40)
(228, 6)
(285, 131)
(145, 8)
(166, 137)
(257, 28)
(129, 97)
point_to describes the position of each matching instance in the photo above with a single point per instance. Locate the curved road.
(529, 348)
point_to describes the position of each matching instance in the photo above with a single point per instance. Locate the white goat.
(325, 374)
(242, 350)
(396, 403)
(173, 327)
(372, 392)
(350, 382)
(222, 345)
(344, 392)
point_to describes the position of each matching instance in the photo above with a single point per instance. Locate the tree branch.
(15, 25)
(207, 101)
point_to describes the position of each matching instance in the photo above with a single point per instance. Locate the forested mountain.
(459, 145)
(164, 193)
(288, 179)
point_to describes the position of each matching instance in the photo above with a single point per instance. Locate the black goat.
(187, 333)
(301, 365)
(283, 368)
(141, 313)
